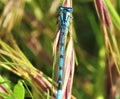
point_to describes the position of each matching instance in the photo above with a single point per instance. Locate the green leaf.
(48, 94)
(27, 89)
(19, 91)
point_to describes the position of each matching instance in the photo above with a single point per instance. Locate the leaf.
(19, 90)
(48, 94)
(27, 89)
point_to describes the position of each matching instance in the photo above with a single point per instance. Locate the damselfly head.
(65, 9)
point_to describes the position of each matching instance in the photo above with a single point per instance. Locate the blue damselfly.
(64, 21)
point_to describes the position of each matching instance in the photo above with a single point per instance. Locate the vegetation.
(27, 32)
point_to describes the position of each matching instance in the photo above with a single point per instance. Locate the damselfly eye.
(69, 9)
(61, 8)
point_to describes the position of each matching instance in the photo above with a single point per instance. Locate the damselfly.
(64, 21)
